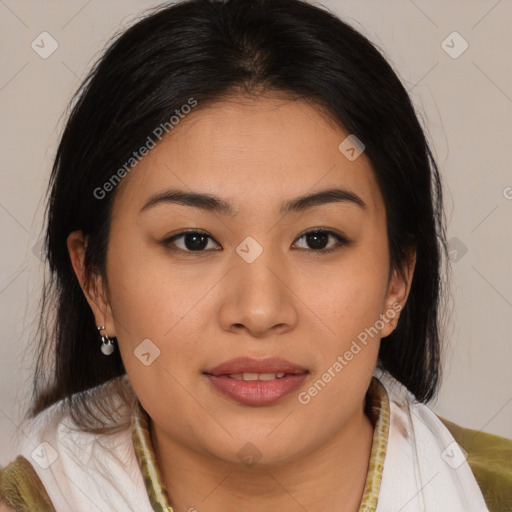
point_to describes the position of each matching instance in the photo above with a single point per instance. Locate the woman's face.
(252, 283)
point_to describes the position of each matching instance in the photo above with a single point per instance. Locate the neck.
(332, 477)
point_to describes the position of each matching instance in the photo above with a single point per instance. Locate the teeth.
(257, 376)
(250, 376)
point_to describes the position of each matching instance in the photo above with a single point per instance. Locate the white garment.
(92, 472)
(424, 468)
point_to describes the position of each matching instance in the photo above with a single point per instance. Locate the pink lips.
(256, 392)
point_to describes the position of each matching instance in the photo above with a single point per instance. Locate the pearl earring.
(107, 344)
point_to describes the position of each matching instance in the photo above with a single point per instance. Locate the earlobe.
(93, 289)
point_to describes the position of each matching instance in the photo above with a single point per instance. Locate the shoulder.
(472, 466)
(490, 459)
(21, 488)
(53, 439)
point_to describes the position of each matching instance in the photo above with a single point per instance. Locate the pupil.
(317, 240)
(198, 242)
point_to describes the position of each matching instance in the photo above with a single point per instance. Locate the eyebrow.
(218, 205)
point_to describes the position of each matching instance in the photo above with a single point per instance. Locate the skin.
(201, 309)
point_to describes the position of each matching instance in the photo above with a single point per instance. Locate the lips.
(243, 365)
(256, 382)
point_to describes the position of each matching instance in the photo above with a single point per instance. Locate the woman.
(246, 236)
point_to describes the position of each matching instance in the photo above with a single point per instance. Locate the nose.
(258, 297)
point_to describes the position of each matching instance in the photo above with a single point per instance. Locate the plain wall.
(466, 103)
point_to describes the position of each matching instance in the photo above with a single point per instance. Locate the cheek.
(145, 301)
(158, 340)
(347, 306)
(350, 298)
(153, 301)
(348, 348)
(136, 301)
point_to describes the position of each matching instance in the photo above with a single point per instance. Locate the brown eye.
(318, 240)
(189, 241)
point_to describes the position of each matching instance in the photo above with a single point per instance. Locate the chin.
(257, 449)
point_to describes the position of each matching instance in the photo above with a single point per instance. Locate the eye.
(318, 239)
(198, 241)
(189, 241)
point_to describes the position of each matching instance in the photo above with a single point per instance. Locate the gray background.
(465, 103)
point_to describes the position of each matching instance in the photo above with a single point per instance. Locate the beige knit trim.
(146, 458)
(378, 407)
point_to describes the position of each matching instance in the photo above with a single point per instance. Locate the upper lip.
(250, 365)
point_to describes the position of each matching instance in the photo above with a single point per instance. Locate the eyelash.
(342, 241)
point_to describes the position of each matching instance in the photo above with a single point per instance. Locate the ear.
(398, 292)
(94, 288)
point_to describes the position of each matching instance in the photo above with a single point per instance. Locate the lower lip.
(257, 392)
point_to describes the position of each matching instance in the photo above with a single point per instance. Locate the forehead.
(244, 149)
